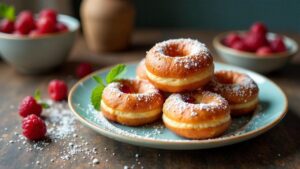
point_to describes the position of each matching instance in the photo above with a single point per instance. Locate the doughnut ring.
(197, 115)
(238, 89)
(179, 65)
(131, 102)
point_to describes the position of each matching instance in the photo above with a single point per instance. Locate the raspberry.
(35, 33)
(25, 22)
(29, 106)
(259, 28)
(264, 51)
(83, 69)
(17, 33)
(34, 128)
(58, 90)
(49, 13)
(46, 25)
(231, 39)
(278, 45)
(240, 45)
(255, 41)
(7, 26)
(60, 27)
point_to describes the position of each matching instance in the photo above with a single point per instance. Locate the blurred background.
(114, 27)
(279, 15)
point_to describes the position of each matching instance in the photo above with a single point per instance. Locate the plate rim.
(143, 140)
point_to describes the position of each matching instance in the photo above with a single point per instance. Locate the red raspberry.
(231, 39)
(240, 45)
(60, 27)
(255, 41)
(17, 33)
(259, 28)
(25, 22)
(46, 25)
(83, 69)
(34, 128)
(48, 13)
(58, 90)
(29, 106)
(35, 33)
(7, 26)
(278, 45)
(264, 51)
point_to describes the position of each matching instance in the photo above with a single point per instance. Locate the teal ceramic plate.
(272, 108)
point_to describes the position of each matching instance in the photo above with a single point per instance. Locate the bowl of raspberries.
(255, 49)
(37, 43)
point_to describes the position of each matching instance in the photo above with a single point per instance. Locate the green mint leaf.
(7, 11)
(98, 80)
(96, 96)
(115, 73)
(45, 105)
(37, 95)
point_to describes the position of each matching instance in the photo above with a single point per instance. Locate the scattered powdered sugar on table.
(62, 131)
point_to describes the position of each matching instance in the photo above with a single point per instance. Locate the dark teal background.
(279, 15)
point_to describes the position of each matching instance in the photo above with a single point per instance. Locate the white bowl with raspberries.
(35, 45)
(256, 49)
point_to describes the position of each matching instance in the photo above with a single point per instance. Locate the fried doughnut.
(197, 115)
(179, 65)
(131, 102)
(141, 71)
(238, 89)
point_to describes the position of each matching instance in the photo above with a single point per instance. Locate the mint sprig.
(37, 97)
(7, 11)
(114, 74)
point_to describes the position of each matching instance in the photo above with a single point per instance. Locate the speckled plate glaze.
(272, 108)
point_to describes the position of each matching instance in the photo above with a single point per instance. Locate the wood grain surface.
(277, 148)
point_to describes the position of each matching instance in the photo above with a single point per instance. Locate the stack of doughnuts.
(177, 82)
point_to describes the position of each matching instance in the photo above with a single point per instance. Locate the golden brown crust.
(209, 109)
(201, 133)
(236, 88)
(177, 109)
(130, 122)
(141, 70)
(116, 99)
(244, 111)
(145, 99)
(182, 88)
(160, 64)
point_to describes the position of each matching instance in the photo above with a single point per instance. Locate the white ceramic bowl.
(39, 54)
(251, 60)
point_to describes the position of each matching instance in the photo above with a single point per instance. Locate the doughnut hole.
(228, 77)
(188, 98)
(176, 50)
(204, 99)
(133, 87)
(198, 98)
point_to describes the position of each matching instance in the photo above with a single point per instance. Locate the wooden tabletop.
(277, 148)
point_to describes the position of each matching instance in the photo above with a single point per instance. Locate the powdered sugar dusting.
(196, 47)
(176, 103)
(63, 132)
(198, 53)
(242, 87)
